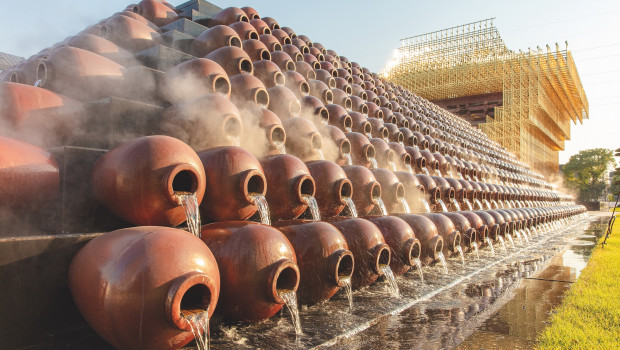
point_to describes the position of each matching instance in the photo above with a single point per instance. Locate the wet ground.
(495, 302)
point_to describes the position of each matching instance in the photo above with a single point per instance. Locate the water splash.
(475, 245)
(393, 166)
(290, 300)
(467, 177)
(418, 266)
(347, 129)
(346, 281)
(369, 135)
(518, 235)
(425, 204)
(313, 205)
(190, 205)
(263, 207)
(488, 204)
(405, 205)
(235, 140)
(442, 205)
(469, 206)
(456, 205)
(460, 250)
(350, 206)
(280, 147)
(373, 163)
(529, 232)
(478, 204)
(199, 324)
(347, 157)
(409, 168)
(512, 242)
(38, 83)
(442, 259)
(495, 205)
(389, 276)
(490, 243)
(501, 240)
(381, 206)
(425, 170)
(319, 152)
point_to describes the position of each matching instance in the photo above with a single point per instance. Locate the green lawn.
(589, 317)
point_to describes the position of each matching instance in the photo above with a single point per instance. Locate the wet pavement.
(491, 303)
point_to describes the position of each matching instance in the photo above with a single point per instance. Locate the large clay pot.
(417, 161)
(29, 176)
(255, 49)
(80, 74)
(37, 115)
(414, 191)
(475, 221)
(204, 122)
(194, 78)
(134, 288)
(503, 228)
(129, 33)
(269, 73)
(273, 45)
(362, 152)
(400, 237)
(228, 16)
(248, 91)
(296, 83)
(368, 246)
(462, 225)
(332, 186)
(261, 26)
(156, 12)
(312, 108)
(447, 230)
(303, 141)
(139, 180)
(386, 157)
(323, 257)
(431, 242)
(283, 102)
(256, 264)
(283, 60)
(447, 192)
(433, 193)
(339, 117)
(246, 31)
(214, 38)
(489, 221)
(288, 180)
(366, 188)
(233, 59)
(392, 191)
(233, 177)
(251, 13)
(131, 12)
(103, 47)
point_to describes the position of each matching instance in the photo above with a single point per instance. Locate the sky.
(368, 32)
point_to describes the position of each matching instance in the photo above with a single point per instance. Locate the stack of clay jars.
(259, 112)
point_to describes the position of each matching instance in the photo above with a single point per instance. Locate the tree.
(585, 172)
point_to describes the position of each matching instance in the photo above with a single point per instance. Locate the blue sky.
(369, 31)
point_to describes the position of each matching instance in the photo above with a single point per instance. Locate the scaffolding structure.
(541, 91)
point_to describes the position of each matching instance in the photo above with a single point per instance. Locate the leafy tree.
(585, 171)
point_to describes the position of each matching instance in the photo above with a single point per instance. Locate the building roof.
(7, 60)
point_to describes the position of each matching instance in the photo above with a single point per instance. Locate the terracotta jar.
(447, 230)
(80, 74)
(260, 26)
(417, 161)
(39, 116)
(339, 117)
(362, 152)
(358, 105)
(248, 90)
(386, 157)
(214, 38)
(275, 135)
(332, 186)
(489, 221)
(301, 45)
(296, 83)
(132, 12)
(255, 49)
(281, 35)
(321, 91)
(343, 146)
(251, 13)
(156, 12)
(273, 24)
(283, 103)
(511, 222)
(378, 129)
(431, 163)
(233, 59)
(271, 42)
(341, 98)
(293, 52)
(288, 180)
(503, 228)
(24, 72)
(431, 243)
(204, 122)
(468, 191)
(194, 78)
(305, 69)
(360, 124)
(228, 16)
(303, 141)
(414, 191)
(269, 73)
(29, 176)
(312, 61)
(103, 47)
(403, 159)
(433, 193)
(129, 33)
(312, 108)
(366, 188)
(468, 233)
(394, 135)
(283, 60)
(143, 264)
(233, 177)
(245, 30)
(323, 258)
(447, 192)
(368, 246)
(290, 32)
(139, 180)
(256, 264)
(476, 222)
(392, 191)
(400, 237)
